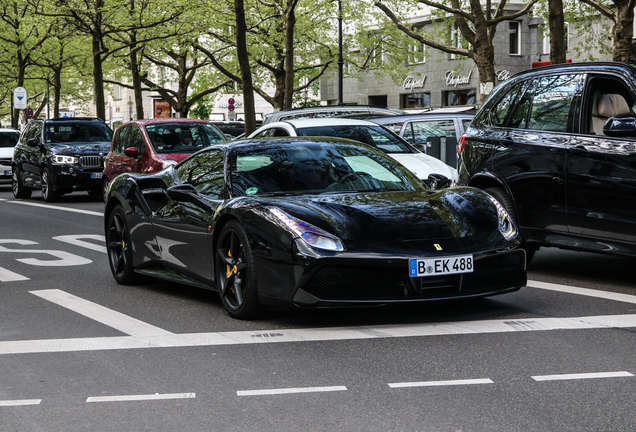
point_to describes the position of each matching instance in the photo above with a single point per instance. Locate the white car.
(364, 131)
(8, 140)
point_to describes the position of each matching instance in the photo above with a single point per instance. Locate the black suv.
(60, 156)
(557, 147)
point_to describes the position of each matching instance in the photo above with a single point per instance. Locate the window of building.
(457, 40)
(514, 37)
(416, 54)
(546, 38)
(116, 91)
(458, 97)
(375, 55)
(415, 100)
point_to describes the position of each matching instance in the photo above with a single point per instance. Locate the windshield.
(317, 167)
(77, 133)
(375, 136)
(9, 139)
(180, 137)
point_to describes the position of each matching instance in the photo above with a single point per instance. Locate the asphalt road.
(80, 353)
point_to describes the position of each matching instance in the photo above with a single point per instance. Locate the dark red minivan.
(147, 146)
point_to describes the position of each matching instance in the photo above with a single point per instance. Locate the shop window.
(378, 101)
(514, 37)
(459, 97)
(415, 100)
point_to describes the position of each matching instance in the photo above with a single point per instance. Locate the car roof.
(422, 116)
(145, 122)
(329, 121)
(9, 130)
(583, 67)
(328, 108)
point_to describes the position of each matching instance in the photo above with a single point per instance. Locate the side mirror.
(132, 152)
(437, 181)
(33, 142)
(622, 125)
(187, 193)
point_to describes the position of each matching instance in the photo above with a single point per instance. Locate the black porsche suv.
(557, 147)
(60, 156)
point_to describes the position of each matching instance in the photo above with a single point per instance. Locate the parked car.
(367, 132)
(434, 132)
(60, 156)
(328, 111)
(147, 146)
(231, 129)
(557, 147)
(8, 139)
(308, 222)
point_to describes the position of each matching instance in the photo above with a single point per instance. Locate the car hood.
(422, 165)
(405, 220)
(81, 148)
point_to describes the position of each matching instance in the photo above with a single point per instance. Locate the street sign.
(231, 101)
(230, 107)
(29, 112)
(20, 98)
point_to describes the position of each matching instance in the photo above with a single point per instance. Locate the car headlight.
(311, 234)
(507, 227)
(65, 159)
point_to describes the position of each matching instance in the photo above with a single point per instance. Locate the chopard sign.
(454, 80)
(409, 83)
(502, 75)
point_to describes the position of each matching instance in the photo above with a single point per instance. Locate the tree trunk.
(623, 51)
(244, 63)
(290, 25)
(484, 58)
(136, 79)
(557, 31)
(57, 91)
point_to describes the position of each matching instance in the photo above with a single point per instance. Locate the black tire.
(235, 275)
(120, 254)
(19, 189)
(48, 188)
(505, 200)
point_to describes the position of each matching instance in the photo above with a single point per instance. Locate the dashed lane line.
(580, 376)
(20, 402)
(269, 392)
(442, 383)
(128, 398)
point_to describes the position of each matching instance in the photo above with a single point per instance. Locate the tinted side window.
(119, 143)
(204, 172)
(552, 105)
(136, 140)
(502, 109)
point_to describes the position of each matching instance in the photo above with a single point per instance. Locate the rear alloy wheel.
(48, 192)
(235, 273)
(120, 255)
(105, 184)
(19, 190)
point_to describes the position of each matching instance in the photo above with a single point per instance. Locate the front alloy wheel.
(234, 273)
(48, 192)
(119, 248)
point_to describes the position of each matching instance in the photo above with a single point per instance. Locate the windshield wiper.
(355, 191)
(278, 193)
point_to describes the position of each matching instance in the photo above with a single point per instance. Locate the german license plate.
(96, 175)
(441, 266)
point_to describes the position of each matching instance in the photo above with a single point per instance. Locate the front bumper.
(76, 177)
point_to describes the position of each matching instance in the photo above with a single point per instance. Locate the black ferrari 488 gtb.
(309, 222)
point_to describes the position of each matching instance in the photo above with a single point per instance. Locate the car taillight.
(461, 143)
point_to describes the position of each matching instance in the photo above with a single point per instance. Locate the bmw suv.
(557, 147)
(60, 156)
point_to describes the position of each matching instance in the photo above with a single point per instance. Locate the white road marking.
(64, 258)
(626, 298)
(109, 317)
(441, 383)
(52, 207)
(155, 396)
(78, 240)
(316, 334)
(290, 391)
(582, 376)
(9, 276)
(20, 402)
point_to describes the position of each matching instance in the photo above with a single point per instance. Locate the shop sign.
(409, 83)
(502, 75)
(454, 80)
